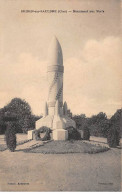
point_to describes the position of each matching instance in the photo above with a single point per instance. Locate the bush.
(115, 126)
(10, 137)
(45, 130)
(73, 133)
(113, 137)
(86, 133)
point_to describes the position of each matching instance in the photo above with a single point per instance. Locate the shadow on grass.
(29, 149)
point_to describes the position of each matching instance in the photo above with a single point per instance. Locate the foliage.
(80, 120)
(2, 123)
(21, 110)
(112, 137)
(86, 133)
(2, 127)
(73, 133)
(99, 125)
(45, 130)
(10, 136)
(115, 128)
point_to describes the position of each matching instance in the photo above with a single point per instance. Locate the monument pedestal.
(60, 134)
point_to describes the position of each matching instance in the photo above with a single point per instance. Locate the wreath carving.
(45, 130)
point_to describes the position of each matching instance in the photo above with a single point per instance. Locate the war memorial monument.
(55, 112)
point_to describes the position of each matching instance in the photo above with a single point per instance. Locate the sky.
(91, 53)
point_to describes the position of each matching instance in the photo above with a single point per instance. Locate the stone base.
(55, 122)
(45, 121)
(60, 134)
(31, 134)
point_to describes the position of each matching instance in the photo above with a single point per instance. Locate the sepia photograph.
(60, 96)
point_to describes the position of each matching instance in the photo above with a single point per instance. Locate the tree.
(80, 120)
(22, 111)
(98, 125)
(2, 123)
(10, 136)
(115, 128)
(112, 137)
(86, 133)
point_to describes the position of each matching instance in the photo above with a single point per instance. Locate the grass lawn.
(72, 146)
(65, 172)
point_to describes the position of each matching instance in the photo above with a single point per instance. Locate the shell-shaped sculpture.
(55, 113)
(55, 56)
